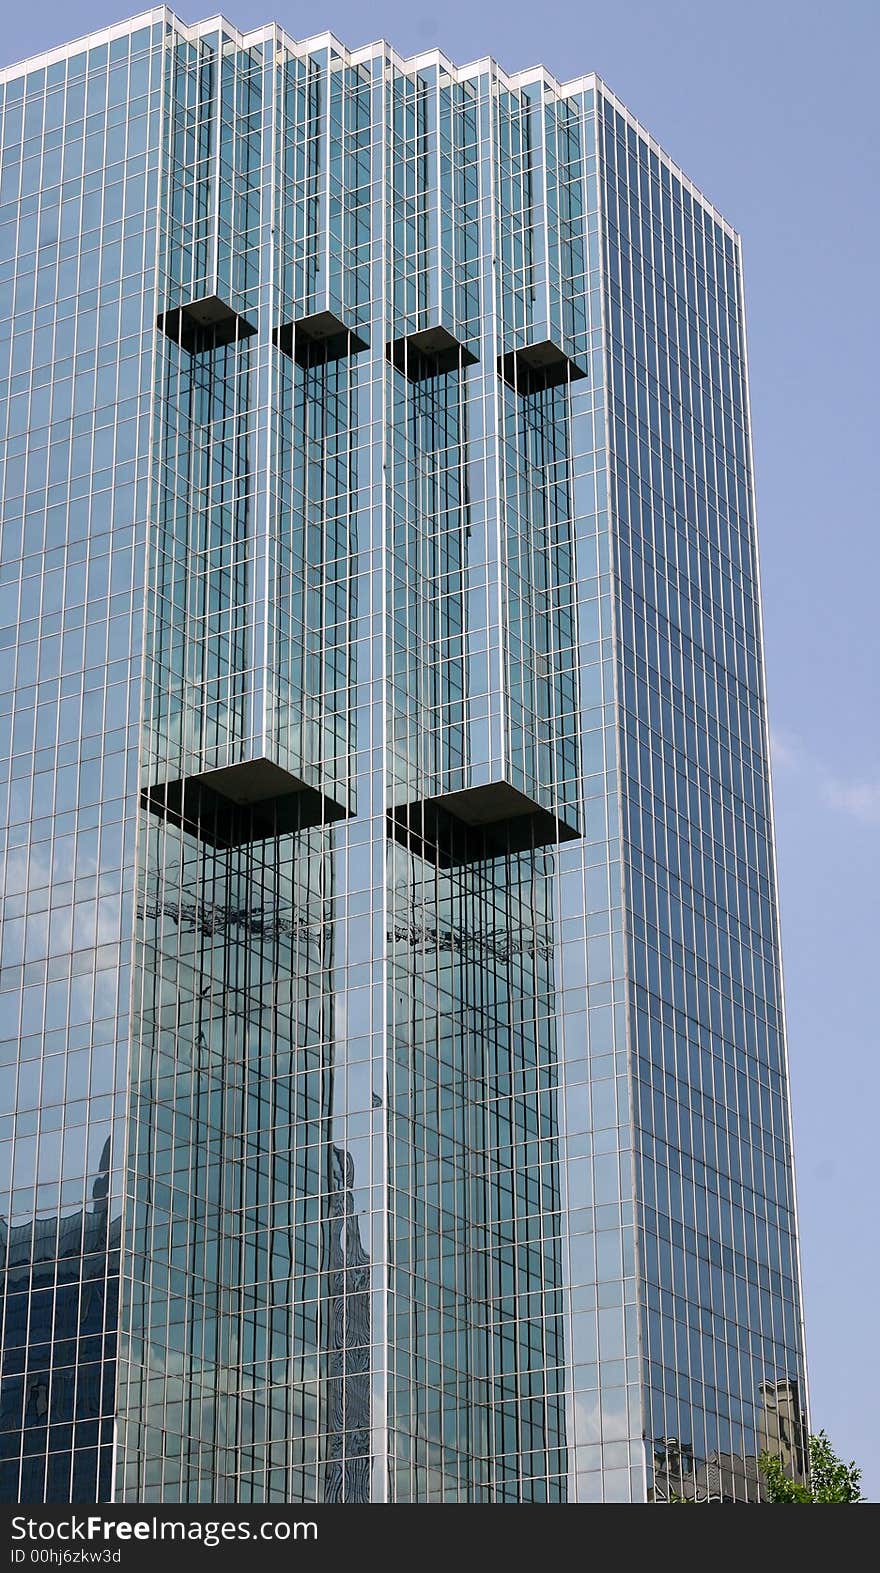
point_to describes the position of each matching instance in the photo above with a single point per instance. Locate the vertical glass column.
(605, 1399)
(541, 236)
(320, 523)
(211, 223)
(79, 151)
(321, 176)
(433, 278)
(721, 1316)
(247, 607)
(233, 1384)
(321, 222)
(477, 1283)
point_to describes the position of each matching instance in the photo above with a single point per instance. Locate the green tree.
(830, 1480)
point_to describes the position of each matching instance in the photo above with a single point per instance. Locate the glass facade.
(393, 1088)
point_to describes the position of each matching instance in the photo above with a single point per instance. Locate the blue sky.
(768, 106)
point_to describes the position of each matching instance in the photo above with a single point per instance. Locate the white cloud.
(858, 798)
(786, 751)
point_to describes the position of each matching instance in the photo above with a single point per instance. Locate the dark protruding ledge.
(240, 803)
(205, 324)
(536, 366)
(312, 340)
(429, 353)
(483, 822)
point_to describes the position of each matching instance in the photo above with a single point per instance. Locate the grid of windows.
(77, 221)
(721, 1314)
(393, 1097)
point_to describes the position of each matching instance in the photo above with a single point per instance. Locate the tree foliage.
(830, 1480)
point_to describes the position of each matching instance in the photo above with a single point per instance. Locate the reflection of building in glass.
(386, 858)
(348, 1363)
(720, 1477)
(782, 1429)
(731, 1477)
(60, 1296)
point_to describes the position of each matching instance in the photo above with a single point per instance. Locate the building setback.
(393, 1089)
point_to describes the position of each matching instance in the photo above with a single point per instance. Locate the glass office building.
(393, 1088)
